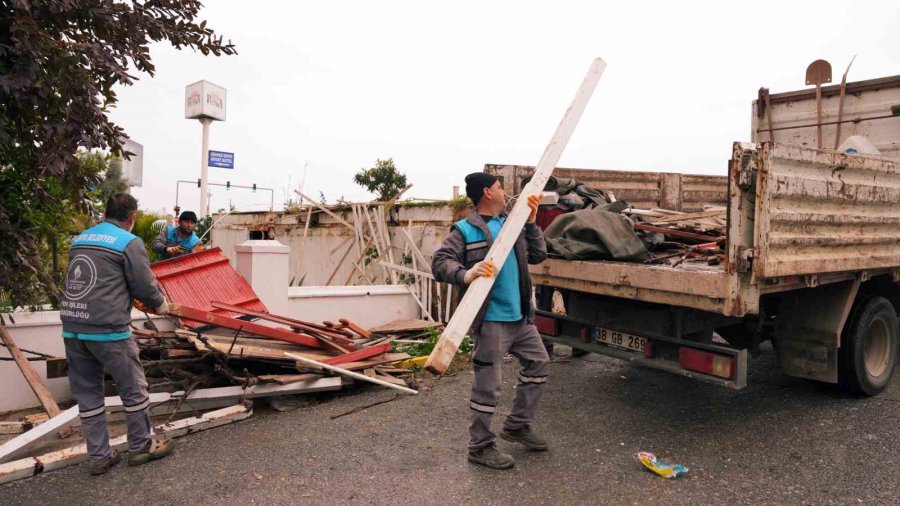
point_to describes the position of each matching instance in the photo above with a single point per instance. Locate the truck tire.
(868, 349)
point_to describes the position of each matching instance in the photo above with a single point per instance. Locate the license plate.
(620, 339)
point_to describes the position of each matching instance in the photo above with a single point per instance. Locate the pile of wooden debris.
(692, 238)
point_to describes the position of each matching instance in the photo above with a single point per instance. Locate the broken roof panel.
(197, 279)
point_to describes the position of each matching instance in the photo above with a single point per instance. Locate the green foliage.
(383, 179)
(424, 349)
(147, 227)
(202, 229)
(60, 63)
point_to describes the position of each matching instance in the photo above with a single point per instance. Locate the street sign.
(221, 159)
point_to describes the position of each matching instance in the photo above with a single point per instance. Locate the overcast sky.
(445, 88)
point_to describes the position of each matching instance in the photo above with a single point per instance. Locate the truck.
(812, 253)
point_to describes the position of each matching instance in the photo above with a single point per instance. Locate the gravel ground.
(779, 441)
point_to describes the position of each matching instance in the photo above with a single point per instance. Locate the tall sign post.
(204, 101)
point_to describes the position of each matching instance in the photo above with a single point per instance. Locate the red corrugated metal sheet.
(198, 279)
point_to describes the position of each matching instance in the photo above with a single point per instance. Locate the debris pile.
(245, 352)
(590, 224)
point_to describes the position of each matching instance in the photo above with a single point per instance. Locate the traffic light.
(228, 186)
(198, 183)
(254, 187)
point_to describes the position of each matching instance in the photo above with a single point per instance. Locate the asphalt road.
(779, 441)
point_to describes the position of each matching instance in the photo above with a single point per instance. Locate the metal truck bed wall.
(646, 190)
(871, 109)
(797, 217)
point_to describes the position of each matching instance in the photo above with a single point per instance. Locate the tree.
(109, 169)
(383, 179)
(60, 61)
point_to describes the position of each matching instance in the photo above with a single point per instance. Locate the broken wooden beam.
(361, 354)
(241, 325)
(348, 373)
(291, 322)
(33, 379)
(355, 328)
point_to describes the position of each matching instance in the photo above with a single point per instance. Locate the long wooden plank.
(676, 233)
(299, 263)
(478, 291)
(245, 326)
(403, 326)
(326, 211)
(351, 374)
(30, 374)
(284, 320)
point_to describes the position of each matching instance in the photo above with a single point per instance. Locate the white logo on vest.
(82, 277)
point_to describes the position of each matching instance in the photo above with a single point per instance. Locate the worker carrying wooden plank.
(504, 324)
(108, 268)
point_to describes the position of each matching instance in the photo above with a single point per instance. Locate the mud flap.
(808, 329)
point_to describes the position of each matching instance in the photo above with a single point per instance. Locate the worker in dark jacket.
(174, 241)
(504, 324)
(108, 268)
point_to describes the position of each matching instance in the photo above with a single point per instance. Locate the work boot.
(490, 456)
(525, 436)
(158, 449)
(99, 467)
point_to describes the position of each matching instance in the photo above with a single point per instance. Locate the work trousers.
(87, 359)
(492, 342)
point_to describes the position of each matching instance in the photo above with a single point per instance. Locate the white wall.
(366, 306)
(39, 331)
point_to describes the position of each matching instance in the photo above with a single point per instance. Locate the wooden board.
(22, 441)
(76, 454)
(287, 379)
(351, 374)
(478, 291)
(400, 326)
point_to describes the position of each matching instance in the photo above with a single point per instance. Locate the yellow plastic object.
(418, 361)
(660, 468)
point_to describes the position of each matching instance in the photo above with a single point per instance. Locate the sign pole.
(204, 169)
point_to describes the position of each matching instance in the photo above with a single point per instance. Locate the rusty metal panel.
(646, 190)
(197, 279)
(871, 109)
(819, 211)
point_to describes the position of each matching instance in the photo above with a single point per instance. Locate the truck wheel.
(868, 347)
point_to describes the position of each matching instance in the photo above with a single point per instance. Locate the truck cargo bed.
(689, 284)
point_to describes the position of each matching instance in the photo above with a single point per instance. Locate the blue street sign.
(221, 159)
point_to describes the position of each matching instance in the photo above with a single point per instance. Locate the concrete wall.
(327, 240)
(40, 331)
(367, 306)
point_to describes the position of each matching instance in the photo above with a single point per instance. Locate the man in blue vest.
(174, 241)
(108, 268)
(504, 324)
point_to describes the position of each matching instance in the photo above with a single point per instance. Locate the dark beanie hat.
(476, 182)
(188, 216)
